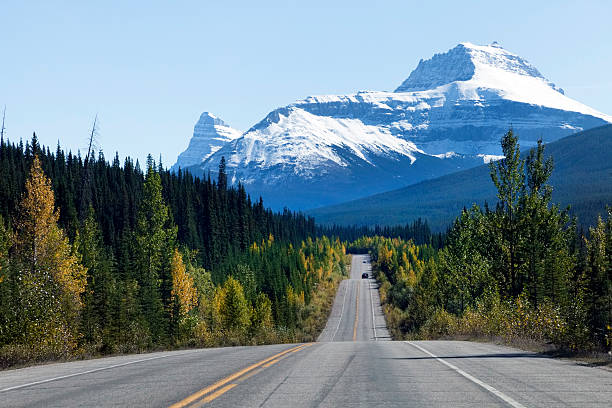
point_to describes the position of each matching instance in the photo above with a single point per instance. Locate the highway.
(352, 365)
(356, 314)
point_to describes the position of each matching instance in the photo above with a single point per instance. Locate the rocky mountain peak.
(463, 63)
(209, 134)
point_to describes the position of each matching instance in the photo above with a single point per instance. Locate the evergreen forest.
(99, 257)
(523, 271)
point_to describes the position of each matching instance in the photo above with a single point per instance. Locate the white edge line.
(84, 372)
(473, 379)
(342, 310)
(373, 320)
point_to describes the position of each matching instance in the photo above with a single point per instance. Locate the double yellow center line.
(222, 386)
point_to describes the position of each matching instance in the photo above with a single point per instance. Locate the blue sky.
(149, 68)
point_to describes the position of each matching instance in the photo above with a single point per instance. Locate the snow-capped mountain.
(448, 115)
(209, 135)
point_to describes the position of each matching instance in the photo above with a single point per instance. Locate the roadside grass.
(514, 323)
(318, 310)
(312, 319)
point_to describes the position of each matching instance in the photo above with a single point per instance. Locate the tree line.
(101, 258)
(521, 270)
(217, 221)
(418, 231)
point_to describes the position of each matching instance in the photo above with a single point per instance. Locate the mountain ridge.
(582, 177)
(473, 94)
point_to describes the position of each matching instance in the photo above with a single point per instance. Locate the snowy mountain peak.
(447, 116)
(465, 62)
(208, 119)
(209, 135)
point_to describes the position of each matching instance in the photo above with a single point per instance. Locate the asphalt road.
(350, 366)
(356, 314)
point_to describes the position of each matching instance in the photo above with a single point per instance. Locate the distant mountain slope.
(446, 116)
(582, 177)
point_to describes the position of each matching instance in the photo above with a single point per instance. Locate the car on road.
(364, 276)
(365, 261)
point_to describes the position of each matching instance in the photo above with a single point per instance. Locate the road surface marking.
(373, 321)
(341, 311)
(473, 379)
(216, 394)
(356, 313)
(194, 397)
(276, 360)
(87, 372)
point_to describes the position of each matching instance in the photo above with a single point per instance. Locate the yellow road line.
(356, 313)
(276, 360)
(272, 362)
(218, 393)
(232, 377)
(251, 374)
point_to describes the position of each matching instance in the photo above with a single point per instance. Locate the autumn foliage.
(46, 276)
(521, 272)
(61, 297)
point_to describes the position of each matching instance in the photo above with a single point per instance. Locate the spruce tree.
(155, 240)
(508, 177)
(97, 296)
(222, 183)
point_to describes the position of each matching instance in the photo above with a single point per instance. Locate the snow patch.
(304, 142)
(488, 158)
(210, 134)
(446, 155)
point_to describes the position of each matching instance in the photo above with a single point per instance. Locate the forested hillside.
(99, 257)
(209, 217)
(582, 179)
(521, 271)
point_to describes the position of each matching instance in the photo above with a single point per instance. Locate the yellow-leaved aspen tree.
(183, 288)
(51, 276)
